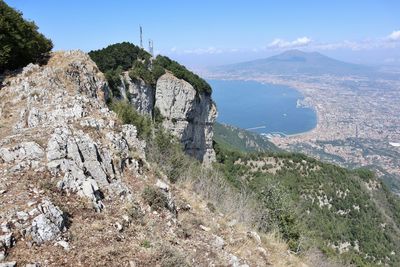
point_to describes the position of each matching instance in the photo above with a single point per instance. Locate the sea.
(262, 108)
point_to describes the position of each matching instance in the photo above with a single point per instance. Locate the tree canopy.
(20, 41)
(118, 55)
(128, 57)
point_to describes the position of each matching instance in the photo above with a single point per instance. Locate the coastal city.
(358, 123)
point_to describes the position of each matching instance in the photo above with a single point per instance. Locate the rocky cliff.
(76, 189)
(189, 115)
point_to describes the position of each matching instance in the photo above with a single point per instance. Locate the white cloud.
(299, 42)
(201, 51)
(355, 46)
(394, 36)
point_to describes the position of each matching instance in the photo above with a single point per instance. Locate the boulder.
(48, 225)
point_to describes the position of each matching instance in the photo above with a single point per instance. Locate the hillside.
(80, 187)
(349, 215)
(296, 62)
(76, 175)
(164, 91)
(234, 138)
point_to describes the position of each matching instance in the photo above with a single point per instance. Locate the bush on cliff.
(118, 55)
(129, 115)
(181, 72)
(129, 57)
(20, 42)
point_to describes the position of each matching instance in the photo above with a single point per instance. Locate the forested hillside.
(241, 140)
(350, 215)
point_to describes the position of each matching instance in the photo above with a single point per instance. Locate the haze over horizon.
(209, 33)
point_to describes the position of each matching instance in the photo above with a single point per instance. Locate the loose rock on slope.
(71, 178)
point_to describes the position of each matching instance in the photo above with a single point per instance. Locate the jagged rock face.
(63, 153)
(65, 128)
(138, 93)
(48, 224)
(187, 114)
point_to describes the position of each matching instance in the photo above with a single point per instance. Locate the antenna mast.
(141, 36)
(151, 50)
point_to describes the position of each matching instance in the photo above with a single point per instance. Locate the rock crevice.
(189, 115)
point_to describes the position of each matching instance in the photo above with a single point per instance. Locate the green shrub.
(166, 151)
(129, 57)
(114, 80)
(155, 198)
(140, 71)
(118, 55)
(145, 243)
(20, 42)
(157, 72)
(179, 71)
(128, 115)
(169, 257)
(285, 199)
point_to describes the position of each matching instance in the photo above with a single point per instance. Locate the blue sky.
(206, 32)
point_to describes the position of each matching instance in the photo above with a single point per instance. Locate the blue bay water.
(248, 104)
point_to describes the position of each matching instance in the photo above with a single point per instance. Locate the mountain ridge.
(296, 62)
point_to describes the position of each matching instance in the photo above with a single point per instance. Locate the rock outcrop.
(48, 224)
(189, 115)
(59, 105)
(73, 177)
(138, 93)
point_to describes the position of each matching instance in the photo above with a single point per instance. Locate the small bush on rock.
(156, 199)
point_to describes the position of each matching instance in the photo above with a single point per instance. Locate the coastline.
(303, 95)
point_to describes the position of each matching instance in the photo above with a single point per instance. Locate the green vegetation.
(314, 203)
(20, 42)
(128, 115)
(179, 71)
(310, 203)
(145, 243)
(121, 55)
(155, 198)
(116, 58)
(241, 140)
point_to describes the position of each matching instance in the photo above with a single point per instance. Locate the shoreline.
(313, 107)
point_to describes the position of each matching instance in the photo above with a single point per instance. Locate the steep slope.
(241, 140)
(189, 115)
(295, 62)
(347, 214)
(76, 188)
(162, 88)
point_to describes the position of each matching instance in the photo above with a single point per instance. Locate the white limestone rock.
(48, 225)
(189, 115)
(6, 241)
(25, 151)
(8, 264)
(218, 242)
(139, 94)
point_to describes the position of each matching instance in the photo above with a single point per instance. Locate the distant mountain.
(294, 62)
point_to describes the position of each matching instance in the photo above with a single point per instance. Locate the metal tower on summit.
(141, 36)
(151, 49)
